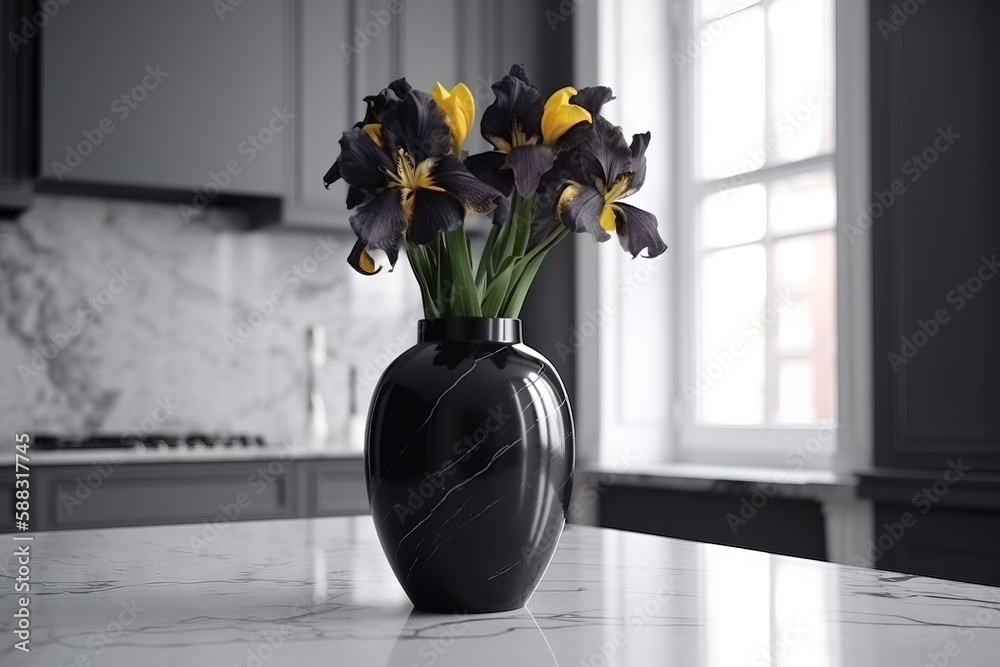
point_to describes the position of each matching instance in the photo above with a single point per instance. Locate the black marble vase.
(469, 465)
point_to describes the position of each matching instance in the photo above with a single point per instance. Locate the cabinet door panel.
(935, 101)
(197, 85)
(80, 497)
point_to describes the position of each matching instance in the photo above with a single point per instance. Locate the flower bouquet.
(557, 166)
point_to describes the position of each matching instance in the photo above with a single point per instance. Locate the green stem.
(464, 298)
(525, 271)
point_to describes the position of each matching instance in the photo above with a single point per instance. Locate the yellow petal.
(459, 108)
(559, 115)
(608, 218)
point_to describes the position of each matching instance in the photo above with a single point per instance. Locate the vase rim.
(470, 330)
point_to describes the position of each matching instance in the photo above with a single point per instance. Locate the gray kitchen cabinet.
(332, 488)
(343, 50)
(65, 497)
(186, 95)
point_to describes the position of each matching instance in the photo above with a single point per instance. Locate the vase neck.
(470, 330)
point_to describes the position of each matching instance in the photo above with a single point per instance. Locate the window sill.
(818, 485)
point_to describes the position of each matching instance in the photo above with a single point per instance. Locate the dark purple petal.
(356, 197)
(638, 148)
(450, 174)
(380, 223)
(362, 163)
(604, 155)
(418, 126)
(518, 72)
(434, 213)
(492, 168)
(579, 208)
(332, 174)
(593, 98)
(376, 105)
(502, 210)
(529, 164)
(361, 260)
(518, 106)
(637, 230)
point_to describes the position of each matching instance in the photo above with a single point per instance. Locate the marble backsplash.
(116, 317)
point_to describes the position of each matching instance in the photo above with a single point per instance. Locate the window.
(758, 216)
(757, 161)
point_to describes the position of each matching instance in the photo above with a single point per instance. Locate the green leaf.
(497, 293)
(464, 296)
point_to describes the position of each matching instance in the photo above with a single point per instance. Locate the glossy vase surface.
(469, 457)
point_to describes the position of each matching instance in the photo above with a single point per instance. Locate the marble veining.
(320, 592)
(144, 313)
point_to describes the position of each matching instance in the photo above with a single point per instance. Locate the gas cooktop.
(148, 441)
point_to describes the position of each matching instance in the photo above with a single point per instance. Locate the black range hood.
(19, 96)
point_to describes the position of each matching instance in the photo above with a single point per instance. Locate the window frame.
(842, 446)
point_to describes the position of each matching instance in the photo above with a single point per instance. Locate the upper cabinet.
(184, 95)
(201, 101)
(18, 106)
(935, 95)
(342, 50)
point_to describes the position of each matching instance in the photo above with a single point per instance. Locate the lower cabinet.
(138, 494)
(946, 542)
(788, 526)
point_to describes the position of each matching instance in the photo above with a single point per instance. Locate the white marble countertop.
(319, 592)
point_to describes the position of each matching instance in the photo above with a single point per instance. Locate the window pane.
(730, 379)
(801, 69)
(803, 203)
(735, 216)
(713, 9)
(803, 275)
(731, 86)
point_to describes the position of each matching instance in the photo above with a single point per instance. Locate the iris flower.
(528, 133)
(413, 187)
(602, 171)
(375, 106)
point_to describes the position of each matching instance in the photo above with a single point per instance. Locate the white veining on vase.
(321, 592)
